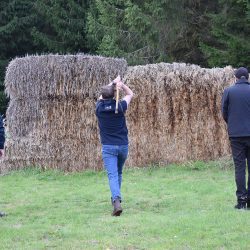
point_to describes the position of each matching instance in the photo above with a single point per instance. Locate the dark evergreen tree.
(141, 31)
(39, 26)
(228, 42)
(61, 26)
(186, 48)
(16, 19)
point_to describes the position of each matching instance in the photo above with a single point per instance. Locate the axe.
(117, 79)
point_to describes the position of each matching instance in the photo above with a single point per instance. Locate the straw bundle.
(174, 117)
(51, 119)
(60, 76)
(176, 114)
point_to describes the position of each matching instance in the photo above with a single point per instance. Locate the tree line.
(207, 33)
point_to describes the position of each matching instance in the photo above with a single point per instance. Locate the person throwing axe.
(110, 113)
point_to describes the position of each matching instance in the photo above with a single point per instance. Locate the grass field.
(177, 207)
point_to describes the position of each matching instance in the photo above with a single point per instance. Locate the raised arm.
(127, 91)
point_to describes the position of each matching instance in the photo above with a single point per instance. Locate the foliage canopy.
(208, 33)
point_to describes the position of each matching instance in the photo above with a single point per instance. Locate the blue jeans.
(114, 157)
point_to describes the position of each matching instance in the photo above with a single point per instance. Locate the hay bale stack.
(176, 116)
(51, 121)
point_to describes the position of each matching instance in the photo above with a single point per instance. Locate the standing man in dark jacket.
(114, 137)
(236, 113)
(2, 140)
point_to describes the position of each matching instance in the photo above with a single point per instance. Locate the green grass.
(177, 207)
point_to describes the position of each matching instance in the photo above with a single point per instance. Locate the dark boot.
(248, 202)
(242, 203)
(2, 214)
(117, 208)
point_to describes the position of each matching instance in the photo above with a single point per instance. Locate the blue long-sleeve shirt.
(236, 108)
(2, 136)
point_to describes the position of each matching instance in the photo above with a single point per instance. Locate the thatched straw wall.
(51, 121)
(174, 117)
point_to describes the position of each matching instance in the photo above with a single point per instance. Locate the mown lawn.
(177, 207)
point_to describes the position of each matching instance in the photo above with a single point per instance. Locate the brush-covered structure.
(174, 117)
(51, 114)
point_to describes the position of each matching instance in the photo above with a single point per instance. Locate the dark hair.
(107, 92)
(241, 73)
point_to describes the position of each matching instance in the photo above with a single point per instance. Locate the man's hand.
(118, 82)
(119, 85)
(1, 153)
(117, 79)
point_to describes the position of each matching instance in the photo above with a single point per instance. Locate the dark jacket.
(2, 136)
(236, 108)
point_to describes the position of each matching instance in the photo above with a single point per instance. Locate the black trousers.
(241, 156)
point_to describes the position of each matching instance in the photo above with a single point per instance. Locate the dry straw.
(174, 117)
(51, 121)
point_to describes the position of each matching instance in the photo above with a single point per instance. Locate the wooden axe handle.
(116, 101)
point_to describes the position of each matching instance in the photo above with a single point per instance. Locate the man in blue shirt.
(2, 140)
(114, 137)
(236, 113)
